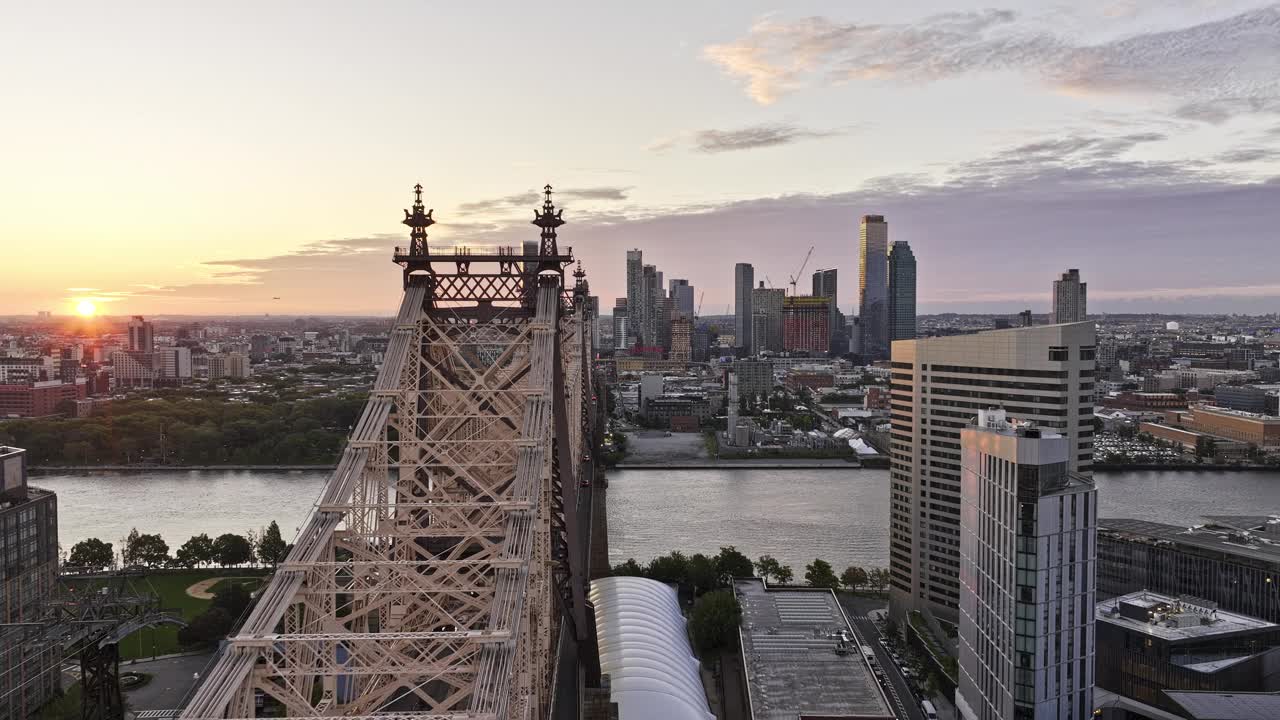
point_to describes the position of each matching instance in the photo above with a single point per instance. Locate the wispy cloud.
(1211, 70)
(764, 135)
(1249, 155)
(532, 198)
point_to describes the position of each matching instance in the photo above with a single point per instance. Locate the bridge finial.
(419, 219)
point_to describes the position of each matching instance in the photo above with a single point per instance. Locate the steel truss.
(434, 575)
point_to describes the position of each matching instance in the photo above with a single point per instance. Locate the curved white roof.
(645, 652)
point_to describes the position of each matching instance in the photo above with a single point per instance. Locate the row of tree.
(191, 427)
(151, 551)
(700, 573)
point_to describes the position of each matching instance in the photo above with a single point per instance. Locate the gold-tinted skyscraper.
(873, 286)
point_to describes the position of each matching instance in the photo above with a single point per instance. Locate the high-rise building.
(173, 363)
(635, 299)
(664, 314)
(1041, 374)
(620, 324)
(681, 338)
(1069, 297)
(593, 307)
(651, 293)
(759, 332)
(142, 335)
(873, 286)
(824, 285)
(1025, 318)
(902, 292)
(768, 302)
(29, 671)
(744, 279)
(806, 324)
(1027, 549)
(682, 292)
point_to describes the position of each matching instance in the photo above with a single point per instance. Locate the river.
(794, 515)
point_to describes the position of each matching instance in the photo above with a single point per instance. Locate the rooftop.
(789, 640)
(1219, 535)
(1175, 619)
(1227, 705)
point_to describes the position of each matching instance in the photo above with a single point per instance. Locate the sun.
(86, 308)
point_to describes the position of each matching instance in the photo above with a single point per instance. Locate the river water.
(794, 515)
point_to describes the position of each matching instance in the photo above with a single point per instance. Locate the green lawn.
(172, 589)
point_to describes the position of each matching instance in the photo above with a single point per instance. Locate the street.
(857, 608)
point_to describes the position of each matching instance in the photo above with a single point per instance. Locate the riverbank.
(1181, 467)
(778, 464)
(59, 469)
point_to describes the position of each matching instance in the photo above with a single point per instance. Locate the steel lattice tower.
(441, 573)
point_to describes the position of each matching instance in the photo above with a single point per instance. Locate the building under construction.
(28, 574)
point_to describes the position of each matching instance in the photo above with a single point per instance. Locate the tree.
(714, 620)
(878, 579)
(767, 567)
(732, 564)
(232, 549)
(272, 548)
(784, 574)
(128, 548)
(853, 577)
(196, 551)
(669, 568)
(232, 597)
(630, 568)
(1206, 447)
(819, 574)
(92, 554)
(151, 551)
(701, 574)
(209, 626)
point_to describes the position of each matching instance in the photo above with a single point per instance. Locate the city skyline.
(1115, 139)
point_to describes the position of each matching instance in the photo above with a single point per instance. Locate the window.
(1058, 354)
(1088, 353)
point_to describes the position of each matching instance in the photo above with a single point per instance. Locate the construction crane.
(768, 282)
(698, 310)
(800, 271)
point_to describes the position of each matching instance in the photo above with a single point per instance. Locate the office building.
(768, 302)
(1260, 430)
(173, 364)
(1149, 644)
(1232, 561)
(873, 287)
(1069, 298)
(755, 378)
(744, 279)
(132, 369)
(30, 671)
(759, 333)
(646, 320)
(1027, 575)
(40, 398)
(1025, 318)
(902, 292)
(1042, 374)
(682, 293)
(21, 370)
(593, 310)
(142, 335)
(806, 324)
(1245, 398)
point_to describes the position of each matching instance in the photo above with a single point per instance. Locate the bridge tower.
(442, 572)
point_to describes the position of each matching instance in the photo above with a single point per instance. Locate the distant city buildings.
(1027, 575)
(1041, 374)
(1069, 298)
(766, 306)
(873, 286)
(635, 300)
(142, 335)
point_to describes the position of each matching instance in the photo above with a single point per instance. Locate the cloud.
(533, 198)
(1249, 154)
(764, 135)
(756, 136)
(1211, 70)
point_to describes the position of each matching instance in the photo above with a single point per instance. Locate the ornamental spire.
(419, 221)
(549, 219)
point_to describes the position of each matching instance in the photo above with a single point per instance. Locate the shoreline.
(742, 465)
(1183, 467)
(49, 469)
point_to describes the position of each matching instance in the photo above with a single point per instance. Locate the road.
(899, 692)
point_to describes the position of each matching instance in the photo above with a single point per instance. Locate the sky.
(247, 157)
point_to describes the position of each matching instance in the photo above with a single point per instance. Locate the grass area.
(172, 589)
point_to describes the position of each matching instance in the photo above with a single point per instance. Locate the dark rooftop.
(1218, 537)
(1227, 706)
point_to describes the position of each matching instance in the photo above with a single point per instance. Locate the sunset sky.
(205, 158)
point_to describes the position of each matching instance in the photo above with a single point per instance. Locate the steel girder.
(424, 583)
